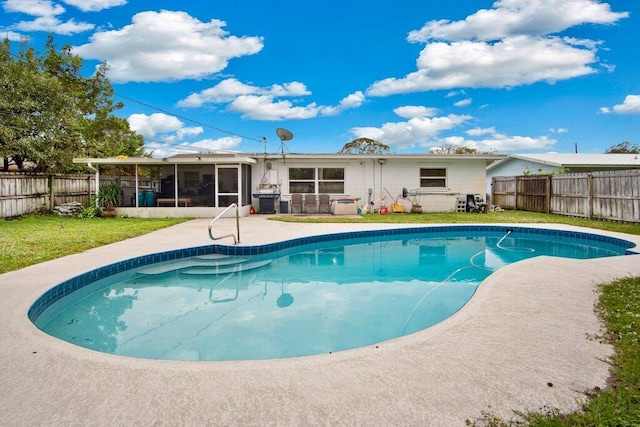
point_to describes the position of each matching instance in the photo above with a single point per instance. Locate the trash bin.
(150, 198)
(141, 199)
(284, 206)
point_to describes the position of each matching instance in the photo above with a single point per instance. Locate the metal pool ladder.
(236, 237)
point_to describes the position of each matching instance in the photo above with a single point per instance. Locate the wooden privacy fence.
(22, 194)
(612, 195)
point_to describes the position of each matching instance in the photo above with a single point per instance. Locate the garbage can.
(284, 206)
(150, 198)
(141, 199)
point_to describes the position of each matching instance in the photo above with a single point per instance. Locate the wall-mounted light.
(382, 161)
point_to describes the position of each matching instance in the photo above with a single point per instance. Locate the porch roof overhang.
(202, 159)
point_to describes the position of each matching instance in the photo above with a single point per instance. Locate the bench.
(185, 201)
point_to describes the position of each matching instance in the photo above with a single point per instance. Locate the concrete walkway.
(521, 343)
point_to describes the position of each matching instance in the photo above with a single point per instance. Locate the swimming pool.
(305, 296)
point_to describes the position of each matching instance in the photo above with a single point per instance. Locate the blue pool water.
(337, 293)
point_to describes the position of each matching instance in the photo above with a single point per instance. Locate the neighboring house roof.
(569, 160)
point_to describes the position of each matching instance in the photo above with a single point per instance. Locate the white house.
(538, 164)
(207, 183)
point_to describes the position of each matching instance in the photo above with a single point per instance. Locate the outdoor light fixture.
(382, 161)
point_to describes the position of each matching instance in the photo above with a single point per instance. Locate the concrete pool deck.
(521, 343)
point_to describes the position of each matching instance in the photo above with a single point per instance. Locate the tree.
(623, 148)
(364, 146)
(449, 149)
(50, 113)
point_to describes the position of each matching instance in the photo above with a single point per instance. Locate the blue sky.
(511, 76)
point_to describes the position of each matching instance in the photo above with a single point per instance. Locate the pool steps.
(212, 271)
(212, 264)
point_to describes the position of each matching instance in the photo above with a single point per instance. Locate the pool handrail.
(236, 237)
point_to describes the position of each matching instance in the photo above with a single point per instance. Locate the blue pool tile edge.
(67, 287)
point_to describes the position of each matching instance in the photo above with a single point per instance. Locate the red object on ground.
(253, 210)
(384, 210)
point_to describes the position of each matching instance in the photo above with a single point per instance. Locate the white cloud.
(191, 50)
(604, 110)
(267, 108)
(95, 5)
(513, 61)
(13, 36)
(630, 105)
(353, 100)
(496, 142)
(558, 130)
(229, 89)
(46, 17)
(511, 44)
(410, 111)
(417, 131)
(515, 17)
(170, 127)
(263, 103)
(165, 135)
(454, 93)
(225, 91)
(54, 25)
(463, 102)
(33, 7)
(481, 131)
(163, 149)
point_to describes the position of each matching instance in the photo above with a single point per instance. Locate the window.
(433, 178)
(316, 180)
(302, 180)
(331, 180)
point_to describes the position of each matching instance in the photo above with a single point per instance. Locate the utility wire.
(187, 119)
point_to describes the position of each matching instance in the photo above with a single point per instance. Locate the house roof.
(251, 158)
(491, 157)
(576, 160)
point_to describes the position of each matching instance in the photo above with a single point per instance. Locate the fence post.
(515, 194)
(51, 192)
(493, 190)
(589, 195)
(547, 207)
(89, 190)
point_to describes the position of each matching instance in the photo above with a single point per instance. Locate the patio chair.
(324, 203)
(296, 203)
(310, 203)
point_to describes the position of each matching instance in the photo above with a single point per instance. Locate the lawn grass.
(37, 238)
(515, 217)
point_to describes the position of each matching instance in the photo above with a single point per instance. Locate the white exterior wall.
(464, 176)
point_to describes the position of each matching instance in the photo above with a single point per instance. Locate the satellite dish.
(284, 134)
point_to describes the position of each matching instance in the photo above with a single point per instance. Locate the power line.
(187, 119)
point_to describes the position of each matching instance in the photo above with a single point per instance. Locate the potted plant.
(109, 196)
(416, 207)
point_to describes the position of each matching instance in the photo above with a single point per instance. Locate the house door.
(227, 185)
